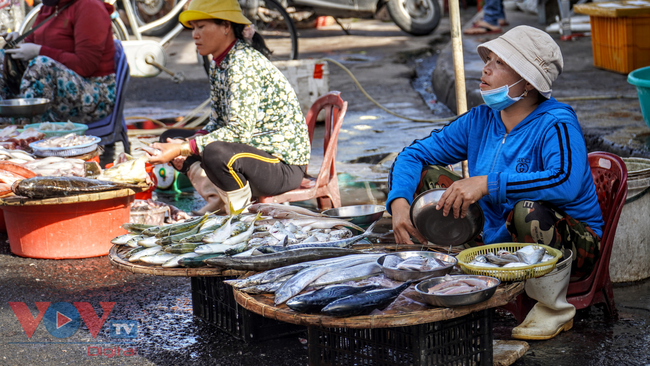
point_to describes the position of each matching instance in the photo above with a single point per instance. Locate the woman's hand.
(461, 194)
(402, 226)
(25, 51)
(170, 150)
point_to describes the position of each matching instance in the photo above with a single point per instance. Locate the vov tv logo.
(63, 319)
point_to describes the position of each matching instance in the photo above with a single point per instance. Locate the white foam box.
(309, 78)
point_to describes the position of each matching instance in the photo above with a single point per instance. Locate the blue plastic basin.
(641, 79)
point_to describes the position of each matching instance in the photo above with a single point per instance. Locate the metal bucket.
(630, 260)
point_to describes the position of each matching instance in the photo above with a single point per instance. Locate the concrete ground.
(390, 65)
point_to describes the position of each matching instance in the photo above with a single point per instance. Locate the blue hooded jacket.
(544, 158)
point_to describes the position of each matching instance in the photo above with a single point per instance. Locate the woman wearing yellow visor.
(256, 142)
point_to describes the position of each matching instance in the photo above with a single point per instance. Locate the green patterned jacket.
(254, 104)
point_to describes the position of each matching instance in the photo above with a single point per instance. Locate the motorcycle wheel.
(119, 29)
(146, 11)
(417, 17)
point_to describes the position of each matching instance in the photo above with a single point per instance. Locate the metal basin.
(23, 107)
(406, 275)
(444, 230)
(362, 215)
(422, 288)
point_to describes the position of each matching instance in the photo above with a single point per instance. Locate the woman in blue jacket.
(528, 169)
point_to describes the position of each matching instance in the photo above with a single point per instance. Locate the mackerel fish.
(270, 261)
(364, 302)
(299, 282)
(174, 262)
(313, 302)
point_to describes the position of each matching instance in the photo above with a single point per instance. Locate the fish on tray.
(313, 302)
(47, 187)
(415, 263)
(457, 286)
(364, 302)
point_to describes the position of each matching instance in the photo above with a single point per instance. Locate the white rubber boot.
(238, 199)
(552, 314)
(204, 187)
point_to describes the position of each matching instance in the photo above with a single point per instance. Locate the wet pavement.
(161, 307)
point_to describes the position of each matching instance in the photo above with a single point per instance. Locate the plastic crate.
(214, 302)
(621, 44)
(461, 341)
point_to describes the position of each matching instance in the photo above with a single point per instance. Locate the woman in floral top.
(256, 142)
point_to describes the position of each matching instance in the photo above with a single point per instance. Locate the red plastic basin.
(3, 226)
(66, 231)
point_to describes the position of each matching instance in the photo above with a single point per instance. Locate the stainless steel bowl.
(362, 215)
(23, 107)
(444, 230)
(422, 288)
(405, 275)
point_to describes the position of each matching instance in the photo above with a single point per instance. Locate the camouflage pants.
(534, 222)
(542, 223)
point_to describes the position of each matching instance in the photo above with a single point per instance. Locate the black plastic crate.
(461, 341)
(214, 302)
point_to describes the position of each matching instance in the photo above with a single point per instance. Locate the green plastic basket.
(79, 129)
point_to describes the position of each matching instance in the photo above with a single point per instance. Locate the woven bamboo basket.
(117, 259)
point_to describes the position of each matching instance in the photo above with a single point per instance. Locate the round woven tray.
(115, 256)
(416, 313)
(88, 197)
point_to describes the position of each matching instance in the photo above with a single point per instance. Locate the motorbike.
(417, 17)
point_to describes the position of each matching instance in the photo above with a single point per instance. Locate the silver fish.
(133, 242)
(214, 222)
(243, 236)
(149, 251)
(353, 273)
(268, 208)
(500, 260)
(531, 254)
(269, 287)
(158, 258)
(416, 263)
(148, 242)
(299, 282)
(269, 261)
(212, 248)
(123, 239)
(267, 276)
(515, 264)
(173, 262)
(391, 261)
(220, 234)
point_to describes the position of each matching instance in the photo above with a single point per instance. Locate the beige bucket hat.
(213, 9)
(531, 52)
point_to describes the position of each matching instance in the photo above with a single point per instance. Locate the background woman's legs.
(73, 98)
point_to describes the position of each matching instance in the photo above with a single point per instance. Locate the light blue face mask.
(498, 99)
